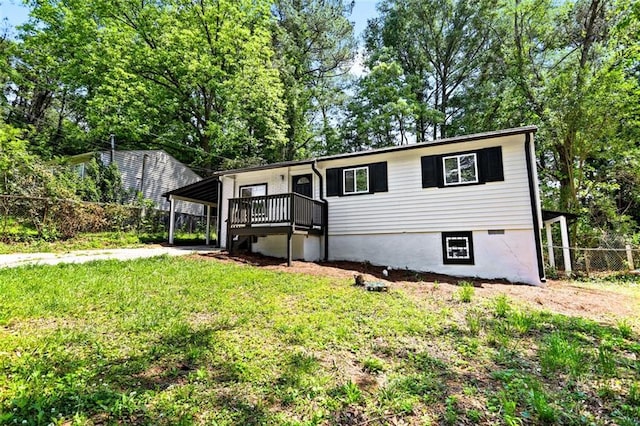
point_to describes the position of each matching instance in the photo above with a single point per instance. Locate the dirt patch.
(563, 297)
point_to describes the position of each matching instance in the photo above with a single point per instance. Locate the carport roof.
(203, 192)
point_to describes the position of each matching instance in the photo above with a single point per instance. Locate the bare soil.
(557, 296)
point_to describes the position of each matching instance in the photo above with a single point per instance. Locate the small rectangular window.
(253, 190)
(460, 169)
(356, 180)
(457, 248)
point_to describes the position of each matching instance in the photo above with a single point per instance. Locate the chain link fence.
(37, 218)
(597, 260)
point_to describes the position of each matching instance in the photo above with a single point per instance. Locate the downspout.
(325, 218)
(534, 204)
(219, 213)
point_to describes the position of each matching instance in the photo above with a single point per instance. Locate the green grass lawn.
(185, 341)
(100, 240)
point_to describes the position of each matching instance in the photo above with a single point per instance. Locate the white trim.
(448, 248)
(457, 157)
(355, 180)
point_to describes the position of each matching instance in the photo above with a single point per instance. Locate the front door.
(302, 185)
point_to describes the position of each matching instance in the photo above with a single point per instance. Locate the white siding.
(409, 208)
(163, 173)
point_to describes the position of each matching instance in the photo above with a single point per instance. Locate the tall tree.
(570, 68)
(440, 45)
(182, 71)
(315, 46)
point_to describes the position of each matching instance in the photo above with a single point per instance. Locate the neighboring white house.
(150, 172)
(464, 206)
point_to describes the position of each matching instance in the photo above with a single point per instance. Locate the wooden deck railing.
(284, 209)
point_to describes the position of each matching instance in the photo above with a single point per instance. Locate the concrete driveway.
(81, 256)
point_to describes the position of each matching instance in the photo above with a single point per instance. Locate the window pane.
(457, 248)
(253, 191)
(468, 168)
(349, 184)
(362, 180)
(451, 170)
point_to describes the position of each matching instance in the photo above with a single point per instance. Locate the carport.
(206, 192)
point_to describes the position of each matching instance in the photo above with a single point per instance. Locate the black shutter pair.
(377, 179)
(489, 167)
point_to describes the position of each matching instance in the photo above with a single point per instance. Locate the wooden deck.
(279, 214)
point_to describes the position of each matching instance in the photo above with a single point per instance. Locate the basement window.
(457, 248)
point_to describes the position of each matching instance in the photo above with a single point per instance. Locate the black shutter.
(334, 182)
(378, 177)
(491, 164)
(432, 171)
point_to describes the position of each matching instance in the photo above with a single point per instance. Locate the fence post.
(629, 257)
(587, 262)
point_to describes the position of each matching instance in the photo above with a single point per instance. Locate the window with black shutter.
(462, 168)
(361, 179)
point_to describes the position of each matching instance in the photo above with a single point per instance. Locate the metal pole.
(113, 147)
(208, 223)
(172, 218)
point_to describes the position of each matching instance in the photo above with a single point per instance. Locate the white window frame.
(355, 182)
(457, 158)
(448, 248)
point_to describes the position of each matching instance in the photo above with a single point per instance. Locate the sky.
(13, 13)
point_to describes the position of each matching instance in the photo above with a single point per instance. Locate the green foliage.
(502, 306)
(466, 292)
(560, 353)
(373, 365)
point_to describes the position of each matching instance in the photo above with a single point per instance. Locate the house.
(464, 206)
(149, 172)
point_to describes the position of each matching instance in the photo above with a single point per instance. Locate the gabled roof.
(445, 141)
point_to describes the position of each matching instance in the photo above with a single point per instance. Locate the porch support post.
(566, 254)
(172, 218)
(208, 232)
(552, 259)
(289, 248)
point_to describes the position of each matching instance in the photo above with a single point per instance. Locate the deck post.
(208, 232)
(172, 218)
(566, 254)
(552, 259)
(289, 248)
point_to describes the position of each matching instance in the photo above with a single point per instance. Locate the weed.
(451, 411)
(349, 393)
(474, 416)
(466, 292)
(373, 365)
(559, 354)
(472, 317)
(502, 306)
(633, 397)
(545, 412)
(624, 328)
(605, 361)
